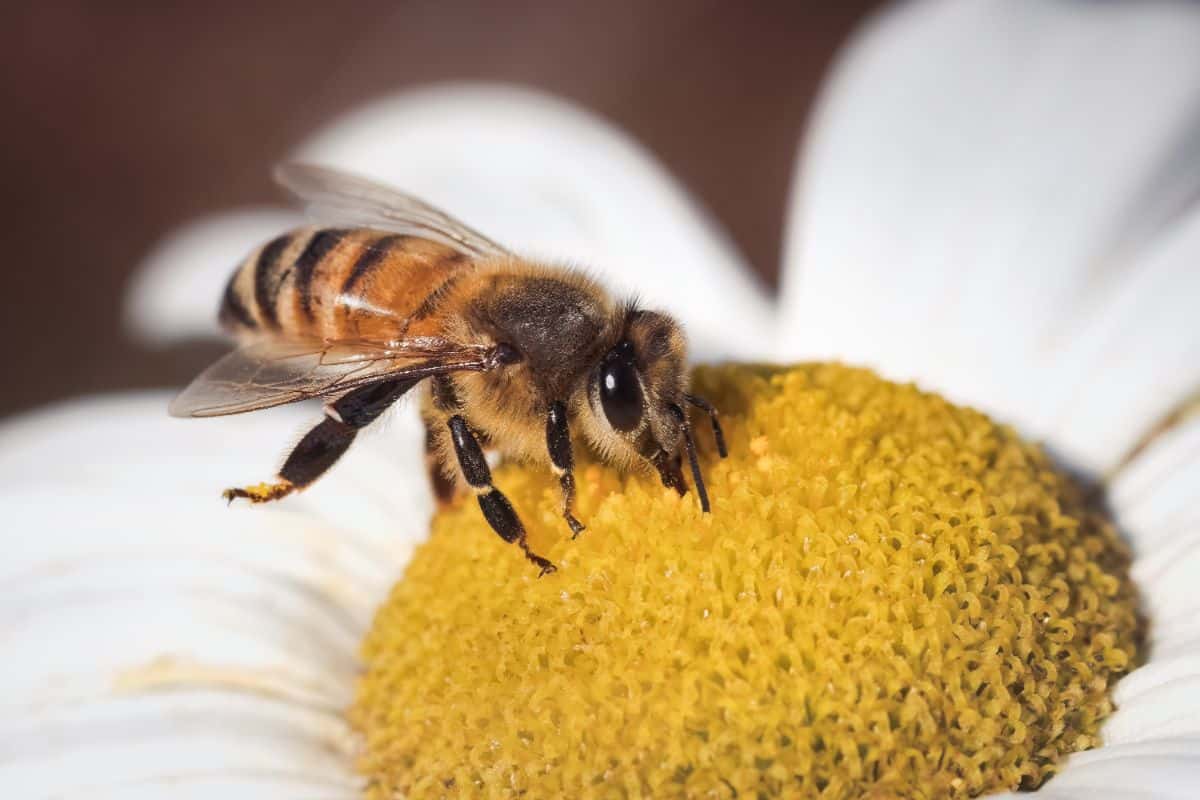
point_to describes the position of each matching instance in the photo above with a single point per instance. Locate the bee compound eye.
(620, 392)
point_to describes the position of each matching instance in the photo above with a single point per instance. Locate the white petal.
(1154, 502)
(1156, 494)
(547, 179)
(999, 199)
(154, 639)
(187, 743)
(126, 443)
(1133, 777)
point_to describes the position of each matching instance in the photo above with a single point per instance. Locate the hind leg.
(322, 446)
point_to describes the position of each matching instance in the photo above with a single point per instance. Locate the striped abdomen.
(337, 283)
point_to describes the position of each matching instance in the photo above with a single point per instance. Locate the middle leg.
(562, 461)
(497, 509)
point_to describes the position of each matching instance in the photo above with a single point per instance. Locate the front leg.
(497, 510)
(558, 442)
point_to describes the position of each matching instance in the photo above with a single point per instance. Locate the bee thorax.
(554, 325)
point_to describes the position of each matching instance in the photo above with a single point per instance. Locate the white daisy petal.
(1156, 494)
(127, 442)
(545, 178)
(145, 744)
(1121, 772)
(1154, 501)
(999, 200)
(1137, 777)
(152, 637)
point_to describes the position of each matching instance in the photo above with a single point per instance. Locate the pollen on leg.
(893, 597)
(260, 492)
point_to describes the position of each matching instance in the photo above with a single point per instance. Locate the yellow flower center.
(893, 596)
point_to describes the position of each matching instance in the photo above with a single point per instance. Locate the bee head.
(636, 394)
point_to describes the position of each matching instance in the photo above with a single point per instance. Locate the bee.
(389, 294)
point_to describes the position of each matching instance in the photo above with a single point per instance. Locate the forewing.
(271, 373)
(332, 197)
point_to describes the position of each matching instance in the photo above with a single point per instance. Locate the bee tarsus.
(260, 492)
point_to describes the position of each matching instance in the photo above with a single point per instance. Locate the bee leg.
(708, 408)
(444, 488)
(497, 510)
(260, 492)
(322, 446)
(558, 442)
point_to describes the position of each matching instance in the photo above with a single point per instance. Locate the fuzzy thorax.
(893, 596)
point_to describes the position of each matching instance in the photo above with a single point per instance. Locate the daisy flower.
(996, 199)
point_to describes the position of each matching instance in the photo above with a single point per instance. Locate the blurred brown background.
(122, 121)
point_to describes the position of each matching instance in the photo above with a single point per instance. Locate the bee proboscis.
(387, 293)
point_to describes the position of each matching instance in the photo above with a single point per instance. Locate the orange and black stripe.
(271, 269)
(317, 250)
(434, 299)
(234, 314)
(373, 255)
(336, 283)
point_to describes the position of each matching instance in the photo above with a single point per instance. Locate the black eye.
(620, 392)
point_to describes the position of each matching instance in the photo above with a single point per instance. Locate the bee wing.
(334, 197)
(270, 373)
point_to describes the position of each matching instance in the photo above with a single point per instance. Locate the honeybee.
(511, 355)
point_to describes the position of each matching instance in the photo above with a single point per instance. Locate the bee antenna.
(690, 444)
(707, 408)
